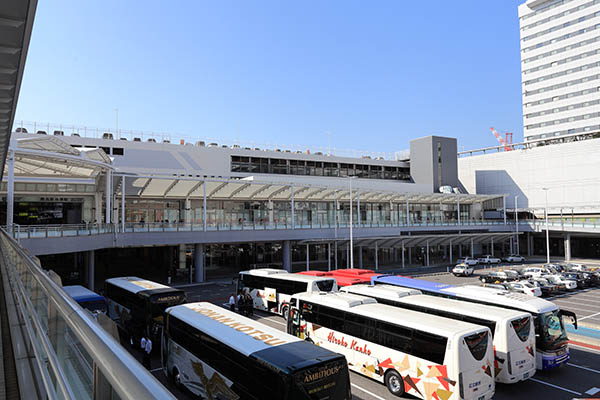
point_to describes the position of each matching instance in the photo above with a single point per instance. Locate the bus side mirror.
(571, 315)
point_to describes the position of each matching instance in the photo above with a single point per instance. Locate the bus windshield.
(94, 305)
(552, 331)
(322, 382)
(522, 327)
(160, 303)
(478, 344)
(325, 285)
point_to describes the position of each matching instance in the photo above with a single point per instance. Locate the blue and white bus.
(552, 348)
(87, 299)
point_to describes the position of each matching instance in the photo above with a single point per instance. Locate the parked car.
(496, 286)
(575, 267)
(595, 276)
(579, 278)
(462, 269)
(487, 259)
(495, 277)
(562, 282)
(515, 275)
(533, 272)
(525, 288)
(467, 260)
(554, 268)
(515, 258)
(547, 288)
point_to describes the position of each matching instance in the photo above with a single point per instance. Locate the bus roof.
(411, 282)
(134, 284)
(80, 293)
(368, 307)
(286, 275)
(355, 272)
(414, 297)
(477, 293)
(390, 292)
(503, 298)
(242, 334)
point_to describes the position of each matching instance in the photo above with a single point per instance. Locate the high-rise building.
(560, 66)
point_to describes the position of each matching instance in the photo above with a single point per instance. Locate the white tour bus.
(271, 289)
(220, 355)
(513, 332)
(552, 349)
(137, 305)
(408, 351)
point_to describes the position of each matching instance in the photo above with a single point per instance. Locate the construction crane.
(506, 142)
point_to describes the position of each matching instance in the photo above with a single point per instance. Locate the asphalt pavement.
(580, 378)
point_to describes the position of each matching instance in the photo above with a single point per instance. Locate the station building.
(245, 206)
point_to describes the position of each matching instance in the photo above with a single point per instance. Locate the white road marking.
(367, 392)
(579, 301)
(589, 316)
(584, 348)
(555, 386)
(592, 391)
(582, 367)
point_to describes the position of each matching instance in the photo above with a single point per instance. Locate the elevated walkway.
(43, 240)
(58, 350)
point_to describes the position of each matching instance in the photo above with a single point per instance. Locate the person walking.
(147, 352)
(143, 343)
(232, 302)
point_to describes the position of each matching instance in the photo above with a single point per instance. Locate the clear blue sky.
(375, 74)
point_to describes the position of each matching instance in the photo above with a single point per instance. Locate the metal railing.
(75, 357)
(113, 133)
(57, 231)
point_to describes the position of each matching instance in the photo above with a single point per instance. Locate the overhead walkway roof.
(47, 156)
(244, 189)
(16, 23)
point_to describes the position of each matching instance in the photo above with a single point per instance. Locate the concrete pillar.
(91, 269)
(358, 209)
(395, 255)
(360, 257)
(270, 208)
(567, 247)
(10, 197)
(407, 214)
(108, 197)
(335, 259)
(529, 244)
(403, 254)
(376, 256)
(328, 256)
(492, 247)
(293, 207)
(504, 208)
(287, 256)
(460, 251)
(451, 261)
(98, 207)
(204, 222)
(409, 256)
(199, 270)
(472, 249)
(181, 257)
(187, 211)
(308, 257)
(123, 203)
(510, 243)
(427, 256)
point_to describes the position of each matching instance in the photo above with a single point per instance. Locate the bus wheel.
(177, 378)
(285, 312)
(394, 382)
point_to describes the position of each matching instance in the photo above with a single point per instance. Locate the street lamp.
(517, 224)
(547, 233)
(351, 236)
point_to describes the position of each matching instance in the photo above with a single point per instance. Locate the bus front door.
(293, 322)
